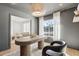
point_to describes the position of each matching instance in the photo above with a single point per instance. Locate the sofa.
(23, 34)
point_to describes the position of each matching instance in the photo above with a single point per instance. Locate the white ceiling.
(19, 19)
(48, 7)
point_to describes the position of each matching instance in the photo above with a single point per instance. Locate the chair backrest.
(61, 45)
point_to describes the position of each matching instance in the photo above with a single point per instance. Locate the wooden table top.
(28, 40)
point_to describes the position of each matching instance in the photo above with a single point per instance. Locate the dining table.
(25, 44)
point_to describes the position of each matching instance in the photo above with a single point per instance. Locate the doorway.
(18, 26)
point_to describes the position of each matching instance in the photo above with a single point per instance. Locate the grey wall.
(5, 24)
(37, 25)
(69, 30)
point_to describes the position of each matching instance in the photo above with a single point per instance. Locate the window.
(48, 27)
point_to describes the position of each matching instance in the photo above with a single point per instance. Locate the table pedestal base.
(25, 50)
(40, 44)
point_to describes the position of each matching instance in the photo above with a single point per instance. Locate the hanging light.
(76, 19)
(37, 9)
(76, 16)
(77, 11)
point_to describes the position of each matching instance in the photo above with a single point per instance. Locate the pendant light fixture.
(37, 9)
(76, 16)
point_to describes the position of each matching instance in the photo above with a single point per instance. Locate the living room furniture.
(56, 48)
(25, 43)
(49, 39)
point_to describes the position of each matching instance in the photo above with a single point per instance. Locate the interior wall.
(37, 26)
(5, 24)
(16, 27)
(69, 30)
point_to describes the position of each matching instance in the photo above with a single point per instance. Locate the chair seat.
(53, 53)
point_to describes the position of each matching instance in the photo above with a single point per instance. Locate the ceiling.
(19, 19)
(48, 7)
